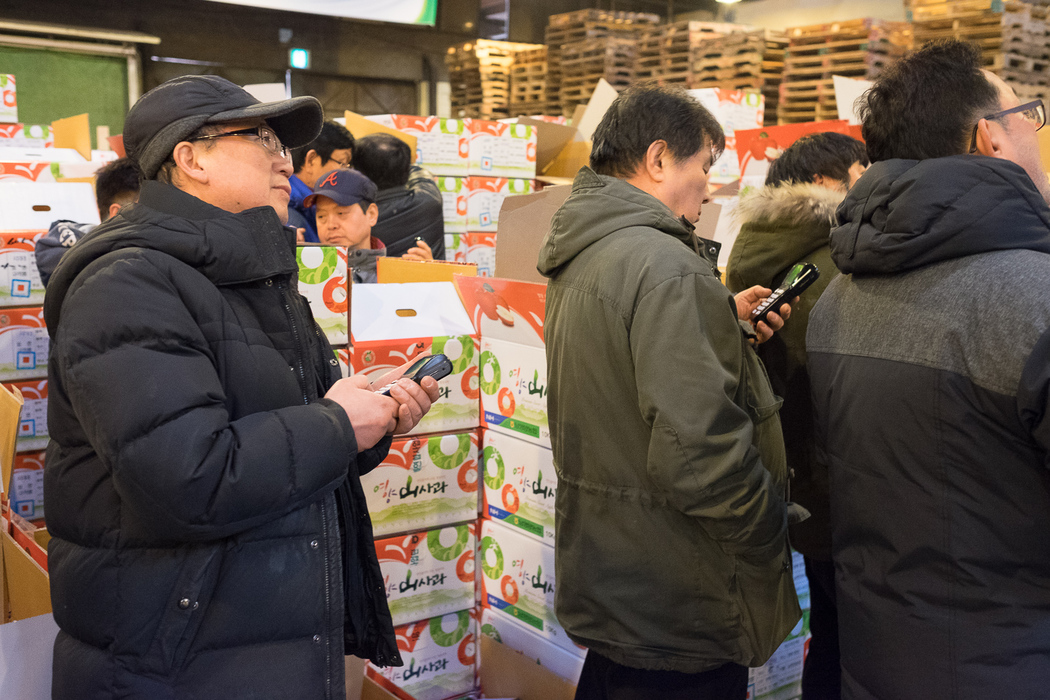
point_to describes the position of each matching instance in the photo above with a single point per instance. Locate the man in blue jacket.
(210, 533)
(929, 362)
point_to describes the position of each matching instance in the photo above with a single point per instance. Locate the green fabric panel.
(56, 84)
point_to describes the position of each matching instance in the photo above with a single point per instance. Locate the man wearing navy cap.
(210, 536)
(346, 212)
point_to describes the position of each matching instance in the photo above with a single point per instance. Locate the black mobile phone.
(797, 281)
(436, 366)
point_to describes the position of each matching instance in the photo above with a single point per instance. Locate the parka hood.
(213, 241)
(779, 226)
(600, 205)
(905, 214)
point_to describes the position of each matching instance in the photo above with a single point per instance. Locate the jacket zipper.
(327, 603)
(300, 351)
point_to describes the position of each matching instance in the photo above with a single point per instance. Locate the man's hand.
(300, 235)
(421, 251)
(749, 299)
(414, 399)
(372, 415)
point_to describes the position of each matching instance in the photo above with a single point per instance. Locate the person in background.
(345, 201)
(210, 534)
(116, 185)
(929, 363)
(333, 148)
(784, 223)
(671, 530)
(410, 207)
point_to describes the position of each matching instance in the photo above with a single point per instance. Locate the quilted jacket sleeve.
(688, 365)
(136, 369)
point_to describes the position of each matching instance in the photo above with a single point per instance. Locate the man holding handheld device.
(671, 548)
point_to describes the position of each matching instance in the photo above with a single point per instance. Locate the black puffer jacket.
(411, 211)
(196, 485)
(929, 361)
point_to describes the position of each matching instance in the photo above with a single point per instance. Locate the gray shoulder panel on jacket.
(978, 316)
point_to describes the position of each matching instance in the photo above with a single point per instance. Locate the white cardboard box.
(515, 635)
(439, 657)
(32, 206)
(519, 484)
(24, 344)
(517, 577)
(424, 482)
(453, 202)
(442, 145)
(499, 149)
(323, 281)
(429, 573)
(485, 197)
(8, 99)
(394, 323)
(478, 248)
(32, 423)
(20, 283)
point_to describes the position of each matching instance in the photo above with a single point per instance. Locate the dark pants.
(821, 675)
(603, 679)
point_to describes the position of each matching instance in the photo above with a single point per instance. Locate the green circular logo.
(489, 631)
(492, 459)
(443, 553)
(489, 367)
(458, 348)
(316, 263)
(449, 639)
(489, 547)
(438, 449)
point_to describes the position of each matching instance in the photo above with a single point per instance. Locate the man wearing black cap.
(210, 533)
(346, 212)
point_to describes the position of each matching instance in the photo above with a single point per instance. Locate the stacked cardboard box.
(598, 51)
(480, 77)
(858, 48)
(528, 83)
(1026, 50)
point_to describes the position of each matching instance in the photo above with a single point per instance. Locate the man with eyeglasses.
(332, 148)
(929, 364)
(210, 536)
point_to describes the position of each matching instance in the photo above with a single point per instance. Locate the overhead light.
(299, 58)
(728, 2)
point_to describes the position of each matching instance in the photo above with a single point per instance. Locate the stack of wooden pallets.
(752, 60)
(591, 38)
(1026, 50)
(528, 83)
(682, 43)
(977, 21)
(479, 76)
(858, 48)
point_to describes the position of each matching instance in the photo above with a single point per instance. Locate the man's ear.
(113, 209)
(656, 157)
(311, 156)
(372, 214)
(989, 137)
(188, 163)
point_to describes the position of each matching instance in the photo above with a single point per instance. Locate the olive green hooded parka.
(671, 520)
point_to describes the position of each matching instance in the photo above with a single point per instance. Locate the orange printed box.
(478, 248)
(20, 283)
(323, 281)
(26, 490)
(453, 203)
(485, 197)
(24, 344)
(428, 573)
(32, 424)
(499, 149)
(440, 659)
(442, 145)
(424, 482)
(519, 484)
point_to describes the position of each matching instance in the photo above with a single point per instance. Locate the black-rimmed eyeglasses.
(1033, 112)
(265, 134)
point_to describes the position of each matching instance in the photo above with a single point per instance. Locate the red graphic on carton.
(34, 172)
(503, 299)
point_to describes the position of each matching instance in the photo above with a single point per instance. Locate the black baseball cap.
(344, 187)
(173, 110)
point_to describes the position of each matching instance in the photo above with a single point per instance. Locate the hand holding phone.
(436, 366)
(797, 280)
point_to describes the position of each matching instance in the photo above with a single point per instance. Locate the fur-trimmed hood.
(795, 203)
(780, 226)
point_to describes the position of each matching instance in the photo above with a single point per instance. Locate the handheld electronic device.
(797, 281)
(436, 366)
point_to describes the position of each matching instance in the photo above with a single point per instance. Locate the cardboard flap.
(550, 139)
(359, 126)
(399, 270)
(523, 224)
(11, 403)
(506, 673)
(412, 310)
(601, 99)
(75, 133)
(506, 309)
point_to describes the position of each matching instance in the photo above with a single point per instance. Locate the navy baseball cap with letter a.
(344, 187)
(173, 110)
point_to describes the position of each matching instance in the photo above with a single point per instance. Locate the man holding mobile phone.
(671, 548)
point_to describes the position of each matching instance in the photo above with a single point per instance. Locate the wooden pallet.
(919, 10)
(1026, 91)
(480, 77)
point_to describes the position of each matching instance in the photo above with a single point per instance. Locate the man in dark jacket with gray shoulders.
(929, 362)
(210, 533)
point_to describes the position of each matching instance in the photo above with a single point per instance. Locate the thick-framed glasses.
(265, 134)
(1033, 112)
